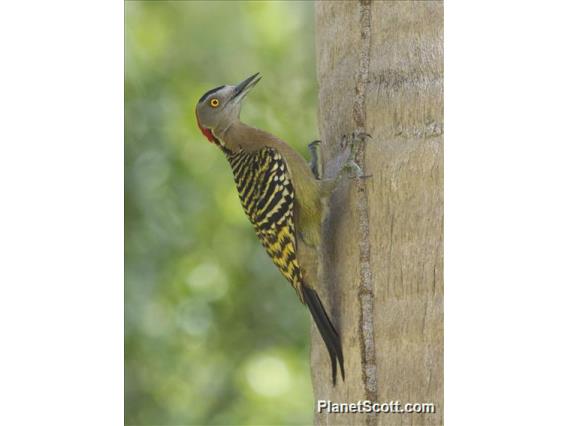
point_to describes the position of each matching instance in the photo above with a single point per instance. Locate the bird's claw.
(352, 141)
(350, 166)
(354, 168)
(314, 143)
(316, 162)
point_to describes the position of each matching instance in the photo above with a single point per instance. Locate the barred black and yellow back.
(267, 196)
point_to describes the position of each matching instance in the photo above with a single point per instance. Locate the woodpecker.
(284, 198)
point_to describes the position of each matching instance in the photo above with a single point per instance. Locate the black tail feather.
(326, 329)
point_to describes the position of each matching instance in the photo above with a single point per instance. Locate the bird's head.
(218, 108)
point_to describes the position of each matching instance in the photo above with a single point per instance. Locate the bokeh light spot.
(208, 280)
(195, 317)
(268, 376)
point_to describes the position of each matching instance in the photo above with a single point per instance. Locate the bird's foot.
(353, 141)
(314, 144)
(349, 167)
(316, 162)
(352, 168)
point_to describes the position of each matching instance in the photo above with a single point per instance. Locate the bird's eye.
(214, 102)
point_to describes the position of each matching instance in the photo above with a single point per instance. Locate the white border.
(61, 223)
(506, 177)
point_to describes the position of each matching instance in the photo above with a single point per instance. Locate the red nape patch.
(206, 132)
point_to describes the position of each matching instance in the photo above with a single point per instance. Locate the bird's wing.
(267, 195)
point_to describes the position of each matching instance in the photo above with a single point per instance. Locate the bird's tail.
(326, 329)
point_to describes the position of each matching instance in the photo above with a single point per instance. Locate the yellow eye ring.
(214, 102)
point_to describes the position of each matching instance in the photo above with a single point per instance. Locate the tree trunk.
(380, 71)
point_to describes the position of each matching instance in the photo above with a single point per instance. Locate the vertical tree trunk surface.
(380, 71)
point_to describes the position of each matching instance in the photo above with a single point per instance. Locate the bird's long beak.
(244, 87)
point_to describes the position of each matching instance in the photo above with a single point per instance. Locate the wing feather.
(267, 196)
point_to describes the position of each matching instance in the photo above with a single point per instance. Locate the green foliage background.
(213, 333)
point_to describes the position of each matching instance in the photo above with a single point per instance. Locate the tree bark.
(380, 71)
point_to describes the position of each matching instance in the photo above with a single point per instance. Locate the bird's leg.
(350, 166)
(316, 162)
